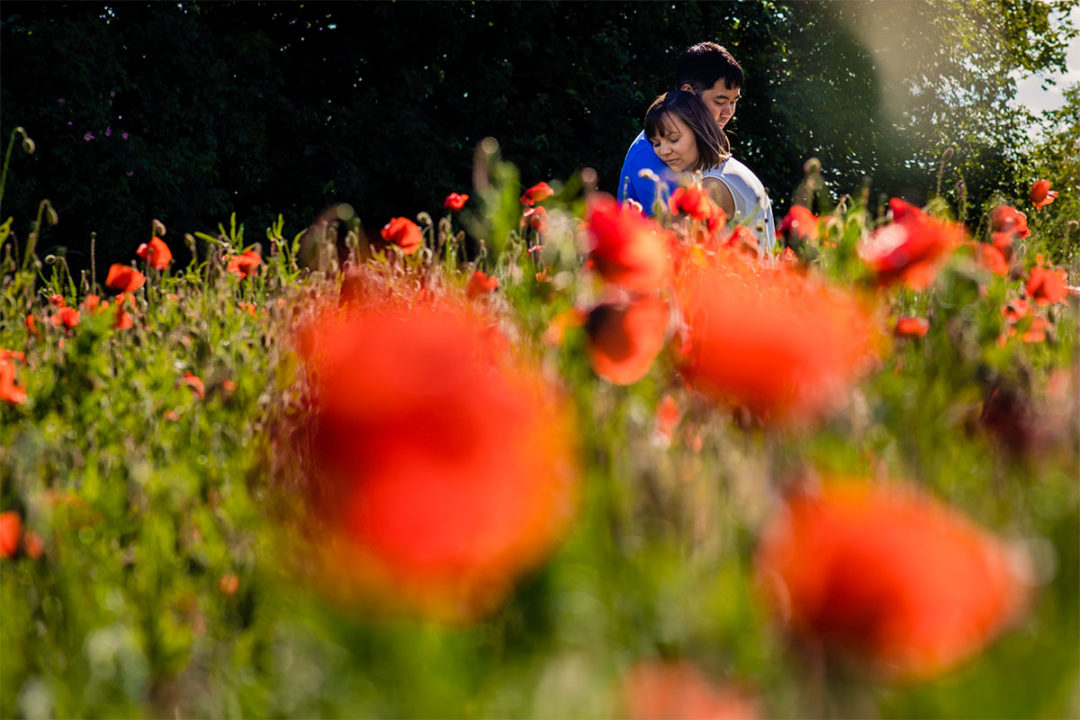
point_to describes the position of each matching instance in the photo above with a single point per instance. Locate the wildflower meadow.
(535, 454)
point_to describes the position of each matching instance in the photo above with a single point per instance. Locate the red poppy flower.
(33, 544)
(887, 575)
(1008, 219)
(785, 347)
(156, 253)
(194, 382)
(628, 250)
(680, 690)
(991, 258)
(539, 191)
(403, 233)
(432, 489)
(1003, 241)
(480, 284)
(57, 300)
(92, 302)
(1016, 309)
(1047, 285)
(31, 324)
(625, 338)
(68, 317)
(911, 327)
(229, 584)
(692, 200)
(799, 223)
(911, 248)
(124, 278)
(12, 355)
(455, 201)
(1036, 330)
(10, 531)
(1041, 194)
(536, 217)
(245, 264)
(123, 319)
(743, 240)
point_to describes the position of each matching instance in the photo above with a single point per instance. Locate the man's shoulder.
(639, 145)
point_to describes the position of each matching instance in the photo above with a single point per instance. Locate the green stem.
(7, 161)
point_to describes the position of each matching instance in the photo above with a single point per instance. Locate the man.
(709, 71)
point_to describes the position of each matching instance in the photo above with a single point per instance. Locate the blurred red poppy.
(1046, 285)
(910, 249)
(1041, 194)
(194, 382)
(1008, 219)
(536, 218)
(33, 544)
(10, 531)
(887, 575)
(539, 191)
(229, 584)
(627, 250)
(653, 690)
(57, 300)
(68, 317)
(991, 258)
(480, 284)
(124, 278)
(1015, 309)
(785, 347)
(625, 338)
(123, 319)
(403, 233)
(799, 224)
(455, 201)
(245, 264)
(1036, 330)
(911, 327)
(431, 489)
(156, 253)
(692, 200)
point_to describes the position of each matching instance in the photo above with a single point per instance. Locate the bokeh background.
(192, 111)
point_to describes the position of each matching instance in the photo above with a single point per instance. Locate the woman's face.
(676, 146)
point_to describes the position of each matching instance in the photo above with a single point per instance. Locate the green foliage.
(262, 108)
(161, 589)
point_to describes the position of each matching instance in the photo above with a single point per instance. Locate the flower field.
(537, 455)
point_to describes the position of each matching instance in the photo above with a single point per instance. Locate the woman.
(687, 139)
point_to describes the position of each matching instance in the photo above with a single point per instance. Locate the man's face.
(720, 99)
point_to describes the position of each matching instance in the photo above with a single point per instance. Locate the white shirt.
(752, 205)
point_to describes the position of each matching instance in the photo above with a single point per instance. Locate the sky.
(1038, 100)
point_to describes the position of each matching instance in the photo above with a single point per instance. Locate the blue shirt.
(632, 186)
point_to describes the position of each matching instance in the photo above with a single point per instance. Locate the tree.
(189, 112)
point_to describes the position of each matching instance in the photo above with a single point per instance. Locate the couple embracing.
(684, 135)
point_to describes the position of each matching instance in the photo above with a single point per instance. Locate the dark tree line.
(188, 112)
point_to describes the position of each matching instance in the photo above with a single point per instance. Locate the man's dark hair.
(712, 143)
(701, 65)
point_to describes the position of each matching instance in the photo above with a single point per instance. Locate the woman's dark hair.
(712, 143)
(701, 65)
